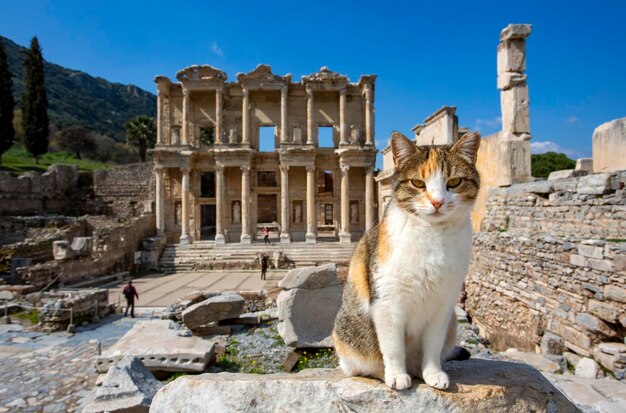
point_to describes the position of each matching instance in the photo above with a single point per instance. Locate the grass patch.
(615, 239)
(17, 160)
(32, 316)
(175, 376)
(316, 358)
(472, 341)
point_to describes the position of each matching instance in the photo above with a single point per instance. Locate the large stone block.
(127, 387)
(61, 250)
(307, 316)
(81, 246)
(594, 324)
(220, 307)
(310, 278)
(477, 386)
(605, 311)
(596, 184)
(551, 344)
(513, 161)
(609, 146)
(515, 104)
(584, 165)
(158, 346)
(588, 368)
(512, 56)
(516, 31)
(615, 293)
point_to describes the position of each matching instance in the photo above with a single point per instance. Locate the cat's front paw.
(437, 379)
(398, 381)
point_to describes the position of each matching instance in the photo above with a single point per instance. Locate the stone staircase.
(204, 255)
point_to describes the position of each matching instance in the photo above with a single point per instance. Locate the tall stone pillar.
(160, 202)
(184, 236)
(368, 93)
(186, 108)
(245, 118)
(219, 204)
(246, 238)
(311, 221)
(285, 236)
(343, 128)
(369, 197)
(218, 115)
(283, 114)
(309, 116)
(159, 140)
(514, 147)
(344, 235)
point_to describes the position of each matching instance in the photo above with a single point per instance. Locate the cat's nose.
(437, 204)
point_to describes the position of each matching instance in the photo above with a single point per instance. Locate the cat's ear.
(467, 146)
(401, 148)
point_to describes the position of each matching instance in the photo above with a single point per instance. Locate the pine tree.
(7, 104)
(35, 103)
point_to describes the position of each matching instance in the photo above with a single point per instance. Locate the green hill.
(75, 98)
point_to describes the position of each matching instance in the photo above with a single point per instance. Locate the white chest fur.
(427, 264)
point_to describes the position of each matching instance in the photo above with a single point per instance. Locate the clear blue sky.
(426, 54)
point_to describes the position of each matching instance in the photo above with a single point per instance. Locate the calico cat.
(397, 313)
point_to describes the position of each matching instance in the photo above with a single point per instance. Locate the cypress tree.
(7, 103)
(35, 103)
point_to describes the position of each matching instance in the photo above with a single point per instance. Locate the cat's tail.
(458, 354)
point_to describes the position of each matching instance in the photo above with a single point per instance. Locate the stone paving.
(52, 372)
(160, 290)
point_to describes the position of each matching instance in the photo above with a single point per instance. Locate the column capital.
(343, 91)
(309, 91)
(369, 169)
(245, 91)
(284, 168)
(284, 89)
(185, 169)
(185, 92)
(344, 168)
(245, 169)
(310, 168)
(219, 168)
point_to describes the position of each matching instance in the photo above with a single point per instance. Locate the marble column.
(309, 115)
(311, 225)
(344, 235)
(283, 114)
(218, 116)
(185, 127)
(369, 197)
(246, 238)
(159, 140)
(285, 236)
(245, 118)
(343, 128)
(219, 204)
(369, 114)
(160, 202)
(184, 236)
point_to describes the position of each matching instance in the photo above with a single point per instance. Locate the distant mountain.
(75, 98)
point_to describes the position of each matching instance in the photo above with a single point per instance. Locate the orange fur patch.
(430, 166)
(345, 350)
(383, 250)
(358, 275)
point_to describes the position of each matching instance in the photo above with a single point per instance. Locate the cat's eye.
(418, 184)
(454, 182)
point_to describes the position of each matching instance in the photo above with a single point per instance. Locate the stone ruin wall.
(55, 191)
(551, 257)
(124, 191)
(114, 246)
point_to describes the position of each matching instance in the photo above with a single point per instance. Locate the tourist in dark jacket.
(130, 293)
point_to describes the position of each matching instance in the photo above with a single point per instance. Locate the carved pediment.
(263, 75)
(325, 75)
(204, 72)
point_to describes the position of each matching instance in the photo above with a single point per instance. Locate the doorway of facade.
(267, 208)
(207, 222)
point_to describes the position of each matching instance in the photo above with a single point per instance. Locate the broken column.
(514, 148)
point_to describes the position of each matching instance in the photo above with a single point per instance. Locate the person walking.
(266, 235)
(264, 259)
(130, 293)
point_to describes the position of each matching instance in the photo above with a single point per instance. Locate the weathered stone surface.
(612, 348)
(61, 250)
(615, 293)
(609, 146)
(477, 385)
(588, 368)
(562, 174)
(157, 345)
(128, 387)
(584, 165)
(215, 308)
(596, 184)
(594, 324)
(81, 246)
(307, 316)
(310, 278)
(516, 31)
(551, 344)
(538, 361)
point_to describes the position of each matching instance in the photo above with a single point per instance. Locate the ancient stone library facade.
(232, 157)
